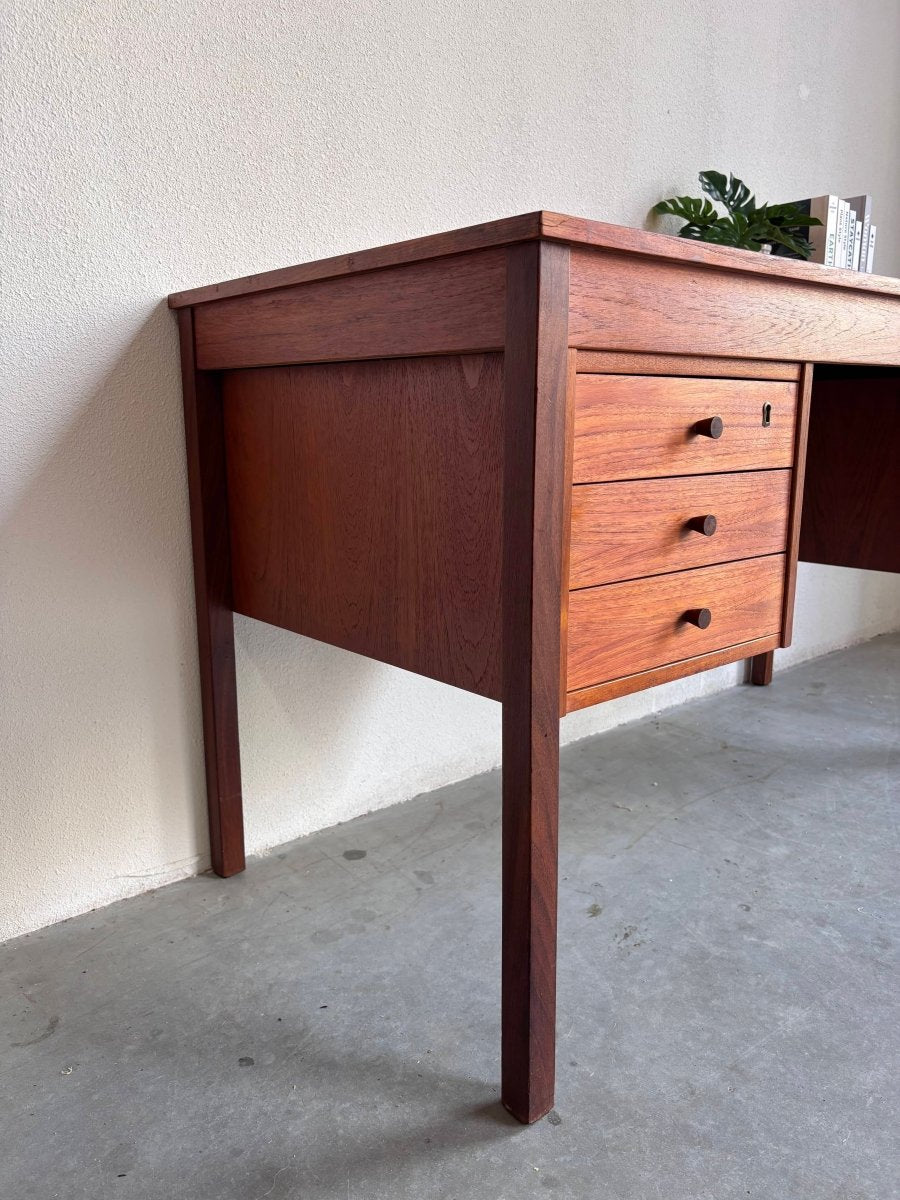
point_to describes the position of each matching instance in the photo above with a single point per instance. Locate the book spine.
(840, 243)
(830, 220)
(821, 237)
(867, 226)
(863, 206)
(870, 255)
(857, 243)
(851, 235)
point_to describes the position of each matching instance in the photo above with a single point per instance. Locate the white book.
(857, 243)
(822, 236)
(851, 233)
(863, 206)
(840, 245)
(870, 255)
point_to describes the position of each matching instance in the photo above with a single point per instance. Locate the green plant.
(748, 225)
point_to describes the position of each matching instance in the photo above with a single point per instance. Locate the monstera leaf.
(795, 242)
(748, 226)
(731, 192)
(690, 209)
(789, 215)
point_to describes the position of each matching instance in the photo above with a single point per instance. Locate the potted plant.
(746, 224)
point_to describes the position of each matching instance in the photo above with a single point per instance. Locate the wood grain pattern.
(366, 508)
(851, 499)
(621, 302)
(624, 628)
(542, 224)
(454, 304)
(626, 530)
(796, 505)
(568, 447)
(534, 430)
(611, 362)
(507, 230)
(641, 245)
(633, 426)
(628, 684)
(205, 448)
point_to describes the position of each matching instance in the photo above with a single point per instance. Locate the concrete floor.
(326, 1025)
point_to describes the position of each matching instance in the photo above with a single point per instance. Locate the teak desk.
(546, 460)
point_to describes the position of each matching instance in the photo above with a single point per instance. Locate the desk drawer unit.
(680, 526)
(642, 427)
(649, 526)
(625, 628)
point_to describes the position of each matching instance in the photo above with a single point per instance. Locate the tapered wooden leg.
(534, 426)
(205, 445)
(761, 668)
(530, 807)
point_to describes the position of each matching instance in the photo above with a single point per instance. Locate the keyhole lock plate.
(767, 415)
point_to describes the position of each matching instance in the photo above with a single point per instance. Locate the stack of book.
(846, 237)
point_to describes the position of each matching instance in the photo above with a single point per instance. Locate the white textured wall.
(149, 147)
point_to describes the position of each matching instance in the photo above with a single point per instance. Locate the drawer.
(642, 426)
(648, 526)
(623, 628)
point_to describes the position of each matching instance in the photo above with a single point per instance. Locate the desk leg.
(205, 445)
(530, 808)
(535, 380)
(761, 668)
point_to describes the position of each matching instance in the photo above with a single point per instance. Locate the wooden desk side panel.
(447, 305)
(365, 503)
(623, 302)
(851, 498)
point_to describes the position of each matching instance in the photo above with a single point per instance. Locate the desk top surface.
(549, 226)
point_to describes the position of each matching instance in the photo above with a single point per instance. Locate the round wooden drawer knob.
(701, 617)
(705, 525)
(711, 427)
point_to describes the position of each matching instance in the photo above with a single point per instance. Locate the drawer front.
(641, 426)
(623, 628)
(645, 527)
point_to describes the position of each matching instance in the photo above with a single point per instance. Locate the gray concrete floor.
(326, 1025)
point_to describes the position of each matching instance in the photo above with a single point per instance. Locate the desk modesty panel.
(546, 460)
